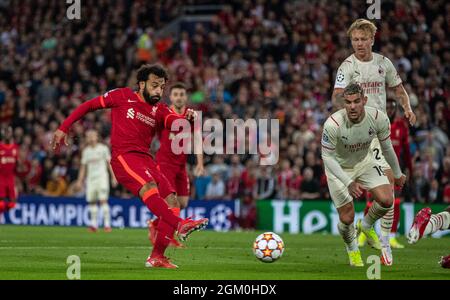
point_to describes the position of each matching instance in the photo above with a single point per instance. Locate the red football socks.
(166, 223)
(164, 235)
(159, 207)
(176, 212)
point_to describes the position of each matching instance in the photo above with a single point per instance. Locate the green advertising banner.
(307, 217)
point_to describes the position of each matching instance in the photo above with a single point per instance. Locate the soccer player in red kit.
(400, 142)
(8, 164)
(172, 165)
(135, 117)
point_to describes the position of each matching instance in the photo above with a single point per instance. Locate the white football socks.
(106, 215)
(376, 211)
(348, 233)
(440, 221)
(93, 212)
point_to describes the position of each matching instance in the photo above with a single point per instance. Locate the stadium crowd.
(256, 59)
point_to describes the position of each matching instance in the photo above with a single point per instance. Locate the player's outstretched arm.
(402, 96)
(355, 189)
(336, 99)
(391, 158)
(383, 134)
(60, 135)
(333, 165)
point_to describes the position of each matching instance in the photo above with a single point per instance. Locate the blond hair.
(362, 24)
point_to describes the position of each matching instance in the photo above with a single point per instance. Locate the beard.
(151, 99)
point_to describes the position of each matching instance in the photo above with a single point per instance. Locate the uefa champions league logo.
(219, 218)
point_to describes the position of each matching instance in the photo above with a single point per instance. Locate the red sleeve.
(108, 100)
(166, 117)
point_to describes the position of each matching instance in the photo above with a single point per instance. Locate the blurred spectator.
(265, 184)
(284, 179)
(233, 184)
(309, 187)
(218, 166)
(236, 166)
(215, 190)
(33, 177)
(295, 184)
(56, 186)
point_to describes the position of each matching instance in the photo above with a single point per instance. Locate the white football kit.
(345, 152)
(374, 77)
(96, 160)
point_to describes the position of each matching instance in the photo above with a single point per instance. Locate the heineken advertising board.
(314, 216)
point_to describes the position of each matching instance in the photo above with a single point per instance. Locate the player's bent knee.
(346, 213)
(386, 202)
(347, 219)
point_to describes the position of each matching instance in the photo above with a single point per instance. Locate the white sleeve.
(392, 77)
(383, 126)
(343, 76)
(329, 135)
(329, 140)
(391, 158)
(384, 133)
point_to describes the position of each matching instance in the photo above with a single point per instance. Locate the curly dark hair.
(145, 70)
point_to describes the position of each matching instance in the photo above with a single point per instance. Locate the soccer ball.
(268, 247)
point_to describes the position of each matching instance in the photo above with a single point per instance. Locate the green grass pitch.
(28, 252)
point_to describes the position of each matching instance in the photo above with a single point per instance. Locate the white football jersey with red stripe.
(350, 142)
(373, 76)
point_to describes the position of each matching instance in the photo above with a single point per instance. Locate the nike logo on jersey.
(129, 100)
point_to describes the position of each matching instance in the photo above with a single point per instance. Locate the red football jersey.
(8, 159)
(400, 142)
(134, 121)
(165, 153)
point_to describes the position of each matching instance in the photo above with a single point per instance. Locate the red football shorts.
(7, 188)
(133, 170)
(177, 176)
